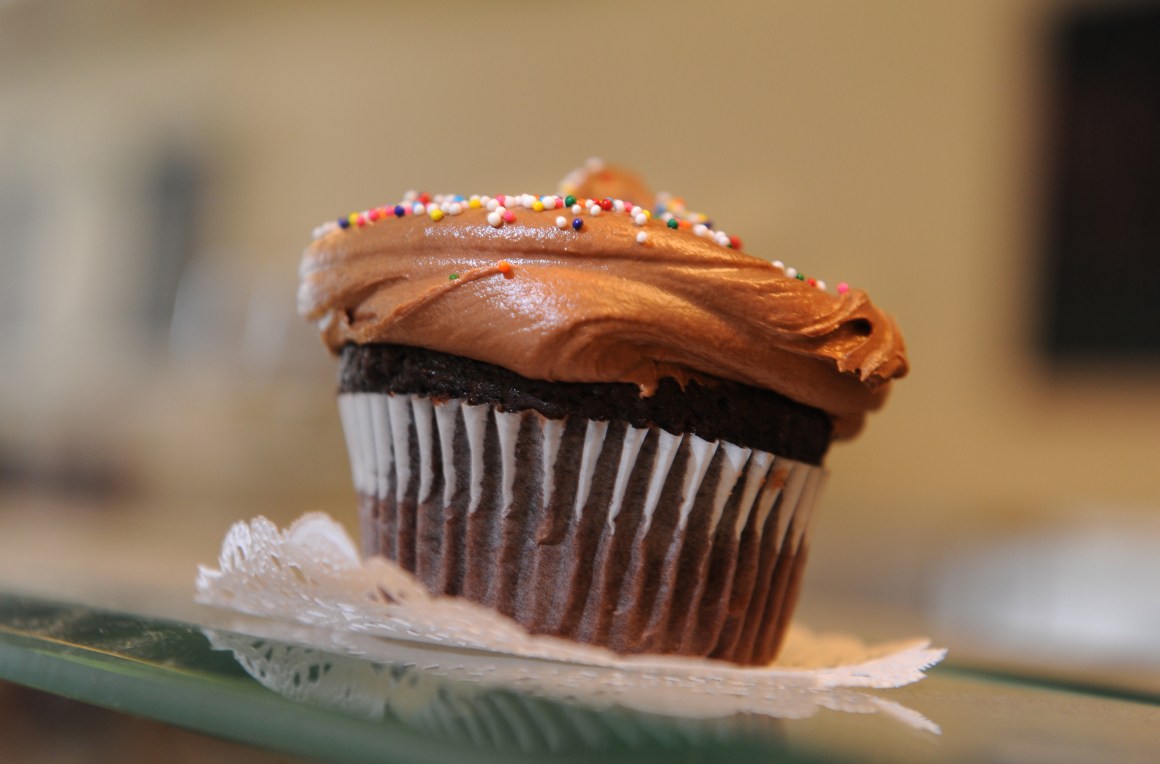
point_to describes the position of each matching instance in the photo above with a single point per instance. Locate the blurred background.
(986, 170)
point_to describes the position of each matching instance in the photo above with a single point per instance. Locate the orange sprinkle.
(504, 267)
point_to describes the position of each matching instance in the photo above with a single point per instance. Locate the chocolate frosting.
(596, 305)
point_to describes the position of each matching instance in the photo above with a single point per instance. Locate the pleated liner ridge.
(632, 538)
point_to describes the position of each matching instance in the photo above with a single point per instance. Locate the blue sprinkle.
(400, 210)
(577, 223)
(344, 223)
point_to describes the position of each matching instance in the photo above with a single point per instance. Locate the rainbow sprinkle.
(670, 212)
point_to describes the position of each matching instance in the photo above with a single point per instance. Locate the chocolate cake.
(713, 409)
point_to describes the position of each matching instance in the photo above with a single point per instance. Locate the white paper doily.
(312, 574)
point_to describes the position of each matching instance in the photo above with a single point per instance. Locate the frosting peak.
(595, 289)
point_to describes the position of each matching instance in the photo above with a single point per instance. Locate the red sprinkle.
(735, 241)
(812, 282)
(425, 198)
(605, 204)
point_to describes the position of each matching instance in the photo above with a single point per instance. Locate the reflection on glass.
(530, 706)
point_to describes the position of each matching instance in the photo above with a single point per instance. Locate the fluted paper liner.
(631, 538)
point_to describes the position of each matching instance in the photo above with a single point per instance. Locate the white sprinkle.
(640, 219)
(700, 229)
(722, 238)
(411, 196)
(641, 237)
(791, 272)
(527, 200)
(492, 204)
(594, 210)
(455, 208)
(779, 264)
(549, 202)
(821, 285)
(419, 208)
(561, 222)
(577, 209)
(494, 219)
(618, 205)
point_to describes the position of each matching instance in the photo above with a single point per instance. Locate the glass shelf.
(214, 672)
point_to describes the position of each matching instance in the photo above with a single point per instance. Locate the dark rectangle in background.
(1102, 265)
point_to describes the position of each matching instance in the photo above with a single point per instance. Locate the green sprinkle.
(672, 223)
(800, 277)
(569, 200)
(453, 276)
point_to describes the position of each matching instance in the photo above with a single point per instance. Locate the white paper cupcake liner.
(632, 538)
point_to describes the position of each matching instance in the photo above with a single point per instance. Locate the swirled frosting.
(616, 297)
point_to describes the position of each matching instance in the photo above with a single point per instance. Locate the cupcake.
(592, 411)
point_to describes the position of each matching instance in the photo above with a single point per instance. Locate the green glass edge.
(206, 691)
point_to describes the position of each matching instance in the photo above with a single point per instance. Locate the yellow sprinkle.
(538, 206)
(353, 218)
(647, 215)
(474, 203)
(436, 214)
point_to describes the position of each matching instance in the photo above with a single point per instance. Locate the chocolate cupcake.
(591, 411)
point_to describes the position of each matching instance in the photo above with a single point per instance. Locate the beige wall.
(893, 145)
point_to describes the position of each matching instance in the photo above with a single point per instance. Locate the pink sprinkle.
(501, 199)
(843, 287)
(628, 206)
(362, 220)
(509, 216)
(373, 215)
(559, 202)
